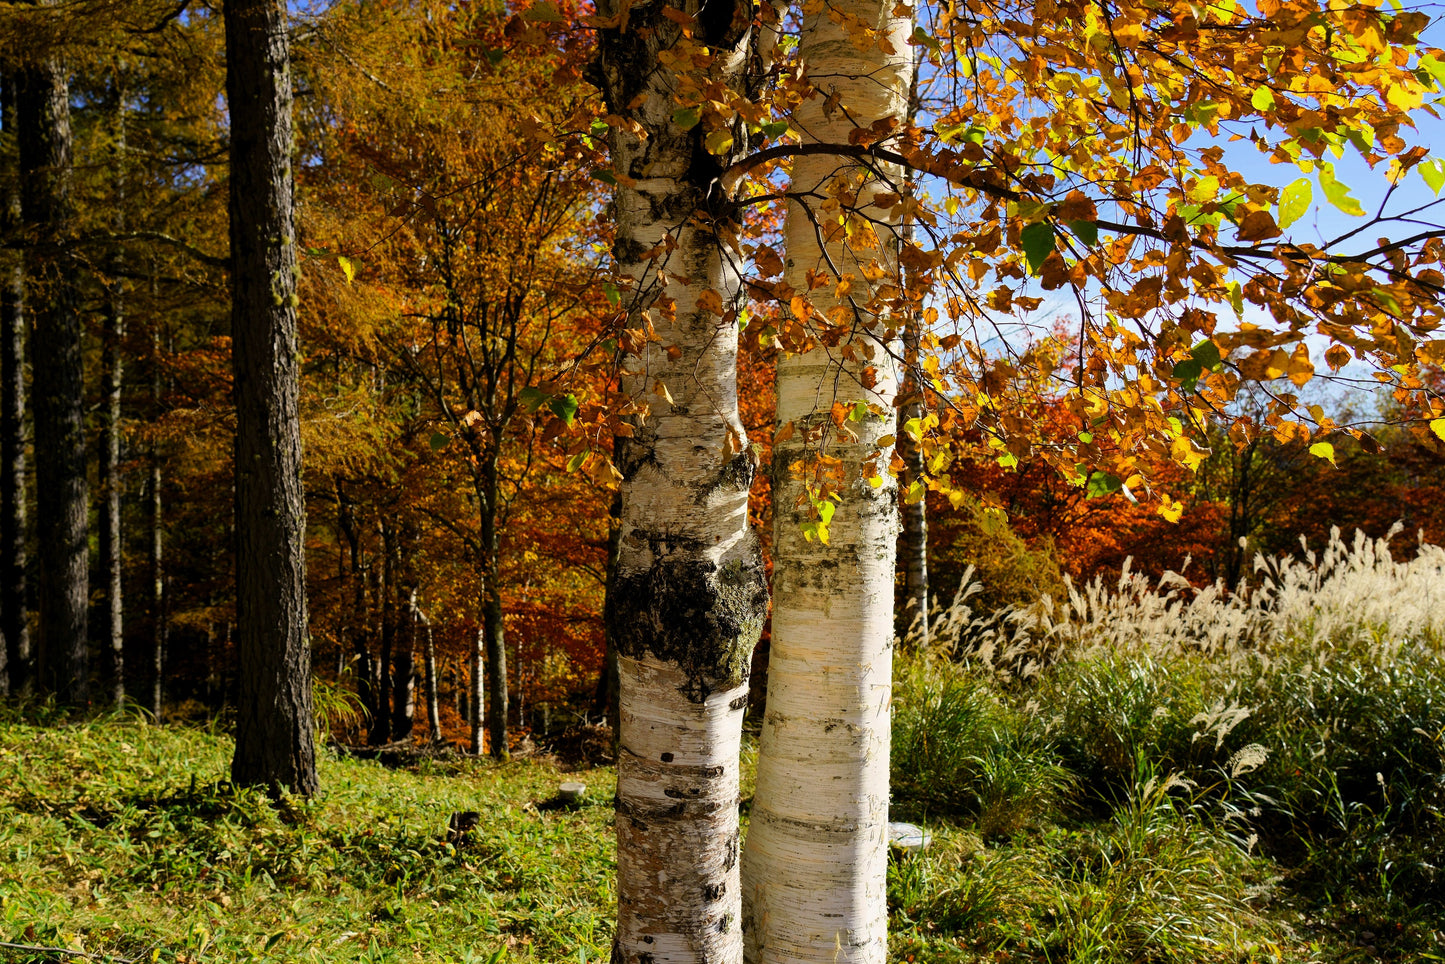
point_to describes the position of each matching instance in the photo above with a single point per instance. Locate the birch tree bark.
(814, 873)
(688, 598)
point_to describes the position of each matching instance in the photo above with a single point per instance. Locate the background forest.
(1208, 732)
(450, 491)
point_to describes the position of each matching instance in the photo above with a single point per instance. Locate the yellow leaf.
(1301, 369)
(1323, 450)
(348, 268)
(1172, 510)
(1184, 452)
(1438, 427)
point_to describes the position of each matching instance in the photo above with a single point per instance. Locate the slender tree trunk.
(605, 703)
(62, 503)
(913, 542)
(111, 485)
(493, 624)
(404, 677)
(689, 597)
(14, 600)
(381, 723)
(814, 874)
(474, 690)
(433, 701)
(274, 726)
(155, 656)
(913, 480)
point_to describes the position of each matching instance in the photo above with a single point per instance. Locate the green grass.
(116, 837)
(1174, 780)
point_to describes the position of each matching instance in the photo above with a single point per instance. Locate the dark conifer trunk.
(14, 604)
(274, 728)
(62, 500)
(912, 606)
(493, 628)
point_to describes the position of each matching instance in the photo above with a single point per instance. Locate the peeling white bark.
(815, 866)
(688, 598)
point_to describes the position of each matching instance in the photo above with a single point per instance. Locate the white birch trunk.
(814, 873)
(689, 598)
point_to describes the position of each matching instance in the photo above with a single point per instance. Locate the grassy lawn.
(114, 838)
(1144, 774)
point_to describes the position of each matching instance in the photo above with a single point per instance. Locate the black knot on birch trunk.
(687, 610)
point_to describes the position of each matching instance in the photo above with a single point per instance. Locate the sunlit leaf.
(1294, 201)
(1338, 193)
(1102, 484)
(1433, 171)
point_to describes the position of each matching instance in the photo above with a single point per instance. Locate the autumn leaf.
(1323, 450)
(1294, 201)
(1338, 193)
(1433, 173)
(1257, 226)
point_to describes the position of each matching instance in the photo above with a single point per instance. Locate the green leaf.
(1294, 201)
(1187, 373)
(1038, 243)
(1102, 484)
(1263, 99)
(1207, 354)
(1323, 450)
(564, 407)
(575, 462)
(686, 118)
(1086, 437)
(438, 441)
(1085, 231)
(1236, 298)
(1338, 193)
(605, 176)
(614, 297)
(1433, 171)
(774, 128)
(533, 398)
